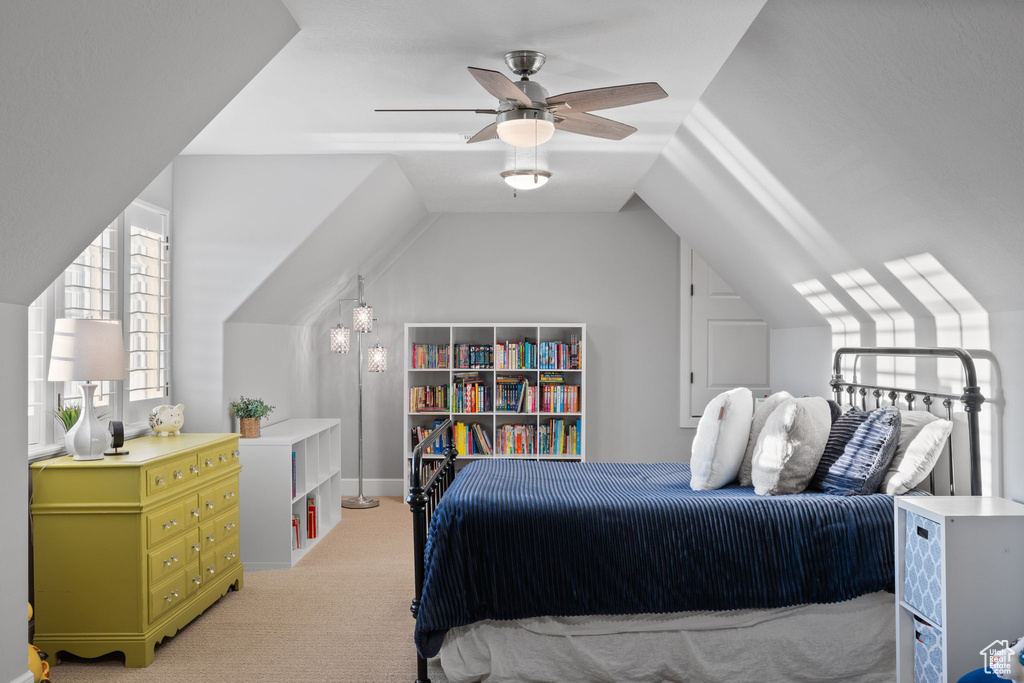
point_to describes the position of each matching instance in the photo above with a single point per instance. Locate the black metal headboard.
(971, 396)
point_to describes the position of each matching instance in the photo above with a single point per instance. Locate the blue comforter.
(516, 539)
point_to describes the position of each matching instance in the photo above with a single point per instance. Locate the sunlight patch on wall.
(845, 327)
(893, 325)
(762, 185)
(960, 321)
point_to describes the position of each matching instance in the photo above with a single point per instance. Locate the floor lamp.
(377, 361)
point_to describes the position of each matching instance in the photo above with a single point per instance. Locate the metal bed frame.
(425, 495)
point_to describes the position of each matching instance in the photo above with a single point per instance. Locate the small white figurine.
(167, 420)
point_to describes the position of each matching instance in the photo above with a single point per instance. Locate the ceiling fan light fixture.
(526, 180)
(525, 127)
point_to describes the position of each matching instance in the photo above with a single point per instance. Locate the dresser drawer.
(194, 579)
(927, 653)
(166, 523)
(227, 494)
(167, 559)
(168, 595)
(213, 459)
(167, 475)
(922, 568)
(218, 530)
(227, 555)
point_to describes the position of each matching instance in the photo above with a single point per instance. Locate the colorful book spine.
(436, 448)
(429, 399)
(474, 356)
(561, 356)
(296, 541)
(311, 517)
(560, 398)
(429, 356)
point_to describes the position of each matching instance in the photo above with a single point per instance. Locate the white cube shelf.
(958, 559)
(268, 539)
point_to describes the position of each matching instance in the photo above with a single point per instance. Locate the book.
(485, 447)
(311, 517)
(296, 544)
(293, 475)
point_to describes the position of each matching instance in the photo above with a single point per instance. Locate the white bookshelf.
(491, 421)
(267, 540)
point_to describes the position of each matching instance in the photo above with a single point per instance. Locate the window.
(123, 275)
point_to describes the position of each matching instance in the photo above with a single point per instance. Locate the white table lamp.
(86, 351)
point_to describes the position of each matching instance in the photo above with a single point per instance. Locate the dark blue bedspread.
(516, 539)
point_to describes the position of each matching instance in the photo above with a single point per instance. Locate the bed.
(586, 561)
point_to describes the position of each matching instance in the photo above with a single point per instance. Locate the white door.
(729, 342)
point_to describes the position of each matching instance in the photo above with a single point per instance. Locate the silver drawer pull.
(210, 538)
(229, 494)
(229, 526)
(174, 558)
(174, 521)
(178, 474)
(193, 469)
(195, 547)
(209, 463)
(168, 598)
(167, 525)
(223, 458)
(174, 593)
(195, 512)
(234, 454)
(167, 562)
(159, 481)
(229, 556)
(197, 580)
(211, 569)
(209, 505)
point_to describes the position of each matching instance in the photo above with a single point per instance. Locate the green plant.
(67, 415)
(250, 407)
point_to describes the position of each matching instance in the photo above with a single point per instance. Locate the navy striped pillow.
(858, 452)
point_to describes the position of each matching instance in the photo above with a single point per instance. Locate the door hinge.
(691, 378)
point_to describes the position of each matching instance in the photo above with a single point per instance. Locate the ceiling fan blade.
(594, 126)
(474, 111)
(488, 133)
(499, 85)
(477, 111)
(607, 98)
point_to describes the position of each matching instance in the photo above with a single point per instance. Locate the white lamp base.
(87, 438)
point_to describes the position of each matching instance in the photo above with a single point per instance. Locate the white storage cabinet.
(959, 560)
(267, 540)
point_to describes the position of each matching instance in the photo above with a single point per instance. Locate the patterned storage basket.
(922, 567)
(927, 653)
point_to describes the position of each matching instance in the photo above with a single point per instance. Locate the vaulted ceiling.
(350, 58)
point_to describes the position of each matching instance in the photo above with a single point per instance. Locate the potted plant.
(67, 414)
(249, 412)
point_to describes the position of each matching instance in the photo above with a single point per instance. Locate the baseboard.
(26, 677)
(373, 487)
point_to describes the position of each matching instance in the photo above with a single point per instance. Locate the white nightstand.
(959, 569)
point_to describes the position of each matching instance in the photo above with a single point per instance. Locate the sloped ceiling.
(97, 98)
(364, 233)
(318, 96)
(843, 135)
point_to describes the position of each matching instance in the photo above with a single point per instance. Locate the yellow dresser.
(131, 548)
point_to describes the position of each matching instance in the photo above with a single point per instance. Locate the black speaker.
(116, 438)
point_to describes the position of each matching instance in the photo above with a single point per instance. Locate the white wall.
(617, 272)
(14, 501)
(272, 362)
(801, 360)
(236, 219)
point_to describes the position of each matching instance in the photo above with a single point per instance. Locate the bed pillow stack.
(922, 438)
(761, 416)
(858, 452)
(721, 436)
(790, 445)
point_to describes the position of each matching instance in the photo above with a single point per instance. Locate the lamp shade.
(362, 318)
(377, 356)
(526, 180)
(340, 336)
(86, 350)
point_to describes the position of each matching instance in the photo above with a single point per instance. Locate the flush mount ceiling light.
(525, 127)
(526, 180)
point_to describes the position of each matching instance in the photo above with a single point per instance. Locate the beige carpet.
(341, 614)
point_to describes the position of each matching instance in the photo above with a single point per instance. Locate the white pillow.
(922, 438)
(756, 425)
(721, 436)
(790, 446)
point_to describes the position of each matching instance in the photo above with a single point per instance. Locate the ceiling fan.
(527, 117)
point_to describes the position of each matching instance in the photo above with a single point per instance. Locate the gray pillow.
(756, 425)
(790, 446)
